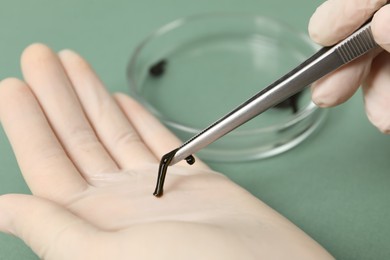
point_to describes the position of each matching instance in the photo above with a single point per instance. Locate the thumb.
(381, 27)
(51, 231)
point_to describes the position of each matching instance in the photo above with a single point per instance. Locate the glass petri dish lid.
(192, 71)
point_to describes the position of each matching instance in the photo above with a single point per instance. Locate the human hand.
(333, 21)
(91, 163)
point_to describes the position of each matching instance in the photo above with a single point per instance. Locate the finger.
(51, 231)
(45, 166)
(334, 20)
(46, 77)
(377, 93)
(380, 27)
(156, 136)
(109, 122)
(340, 85)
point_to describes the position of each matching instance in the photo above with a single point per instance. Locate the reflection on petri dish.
(193, 71)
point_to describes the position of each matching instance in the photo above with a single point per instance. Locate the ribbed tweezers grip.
(357, 45)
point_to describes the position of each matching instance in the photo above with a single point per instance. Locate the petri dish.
(194, 70)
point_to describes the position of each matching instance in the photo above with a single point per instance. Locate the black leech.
(162, 170)
(158, 69)
(291, 102)
(190, 160)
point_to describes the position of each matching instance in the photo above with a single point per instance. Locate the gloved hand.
(91, 163)
(335, 20)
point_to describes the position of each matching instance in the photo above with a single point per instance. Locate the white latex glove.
(335, 20)
(91, 163)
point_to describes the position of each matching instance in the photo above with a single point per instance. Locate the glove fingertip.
(380, 27)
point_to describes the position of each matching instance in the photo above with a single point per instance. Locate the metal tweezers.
(320, 64)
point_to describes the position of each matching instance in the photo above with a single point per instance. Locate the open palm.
(91, 161)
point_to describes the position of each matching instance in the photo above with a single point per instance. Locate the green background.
(335, 186)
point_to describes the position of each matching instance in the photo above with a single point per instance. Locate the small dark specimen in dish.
(291, 102)
(162, 170)
(158, 69)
